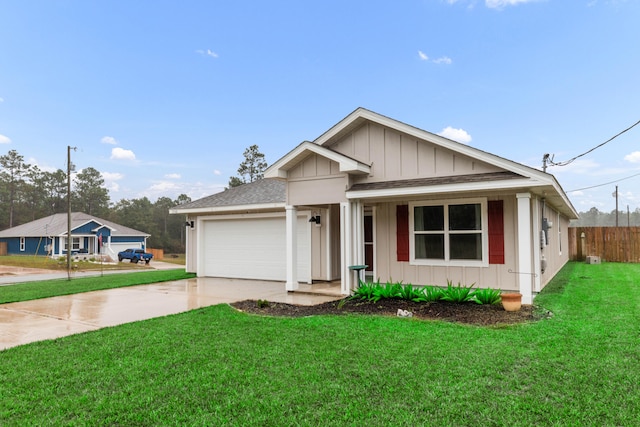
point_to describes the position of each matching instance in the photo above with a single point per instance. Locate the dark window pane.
(465, 217)
(465, 246)
(368, 228)
(428, 218)
(429, 246)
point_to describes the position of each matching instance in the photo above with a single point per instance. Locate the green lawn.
(49, 288)
(215, 366)
(59, 264)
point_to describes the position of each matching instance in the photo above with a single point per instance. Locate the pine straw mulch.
(468, 313)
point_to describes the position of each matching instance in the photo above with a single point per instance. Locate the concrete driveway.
(49, 318)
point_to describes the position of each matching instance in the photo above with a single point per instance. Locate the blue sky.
(163, 97)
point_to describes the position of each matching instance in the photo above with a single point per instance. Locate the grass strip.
(215, 366)
(50, 288)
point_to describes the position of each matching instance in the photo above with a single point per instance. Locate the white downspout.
(524, 270)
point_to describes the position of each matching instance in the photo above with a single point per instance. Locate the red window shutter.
(402, 232)
(496, 231)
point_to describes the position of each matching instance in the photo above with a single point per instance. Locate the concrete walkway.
(50, 318)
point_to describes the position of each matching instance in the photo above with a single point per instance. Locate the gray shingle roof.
(264, 191)
(55, 225)
(424, 182)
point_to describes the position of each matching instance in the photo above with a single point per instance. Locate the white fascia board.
(233, 208)
(102, 226)
(443, 188)
(276, 174)
(87, 222)
(353, 166)
(279, 169)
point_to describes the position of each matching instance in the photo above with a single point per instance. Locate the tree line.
(28, 193)
(596, 218)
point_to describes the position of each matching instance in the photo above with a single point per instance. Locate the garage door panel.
(253, 248)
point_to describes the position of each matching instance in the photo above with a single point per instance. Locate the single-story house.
(90, 235)
(410, 205)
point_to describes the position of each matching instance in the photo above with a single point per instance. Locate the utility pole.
(69, 241)
(545, 160)
(615, 194)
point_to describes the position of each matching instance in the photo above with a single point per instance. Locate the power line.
(606, 183)
(547, 159)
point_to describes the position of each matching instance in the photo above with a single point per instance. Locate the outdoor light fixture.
(189, 224)
(315, 219)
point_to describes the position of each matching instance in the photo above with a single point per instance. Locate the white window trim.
(446, 262)
(559, 233)
(66, 243)
(22, 244)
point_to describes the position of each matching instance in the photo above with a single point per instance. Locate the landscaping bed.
(468, 312)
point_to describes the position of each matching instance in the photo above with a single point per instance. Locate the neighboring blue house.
(90, 235)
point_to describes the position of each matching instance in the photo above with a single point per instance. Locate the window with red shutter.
(402, 232)
(495, 212)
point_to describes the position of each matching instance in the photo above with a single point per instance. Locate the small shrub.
(262, 303)
(456, 294)
(486, 296)
(408, 292)
(389, 290)
(365, 290)
(429, 294)
(341, 303)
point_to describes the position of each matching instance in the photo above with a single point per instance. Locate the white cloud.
(1, 99)
(172, 176)
(34, 162)
(109, 140)
(112, 176)
(633, 157)
(459, 135)
(207, 52)
(577, 193)
(163, 186)
(499, 4)
(112, 186)
(111, 180)
(172, 189)
(443, 60)
(4, 139)
(217, 172)
(118, 153)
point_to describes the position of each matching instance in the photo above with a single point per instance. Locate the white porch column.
(358, 239)
(292, 247)
(537, 245)
(524, 269)
(328, 230)
(345, 248)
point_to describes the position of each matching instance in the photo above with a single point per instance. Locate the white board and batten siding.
(251, 247)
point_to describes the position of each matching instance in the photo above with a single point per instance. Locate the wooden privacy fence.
(158, 254)
(613, 244)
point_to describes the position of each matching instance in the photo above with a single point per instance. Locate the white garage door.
(253, 248)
